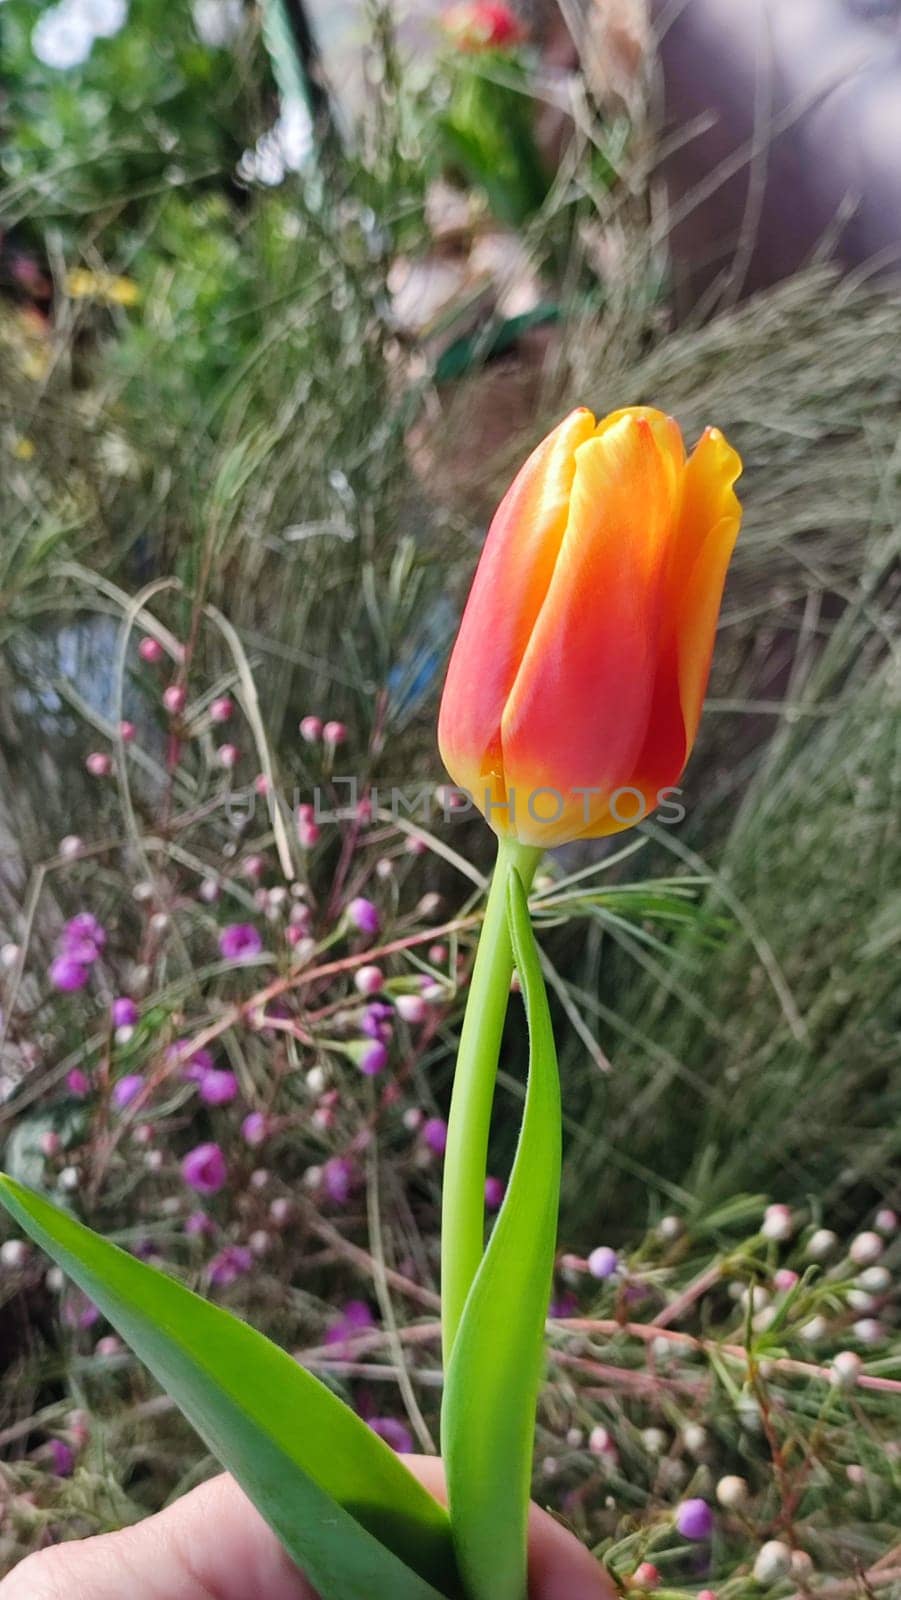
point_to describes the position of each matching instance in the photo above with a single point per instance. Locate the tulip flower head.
(575, 687)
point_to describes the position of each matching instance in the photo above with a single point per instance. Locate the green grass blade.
(488, 1417)
(343, 1505)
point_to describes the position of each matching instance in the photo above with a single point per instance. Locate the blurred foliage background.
(270, 359)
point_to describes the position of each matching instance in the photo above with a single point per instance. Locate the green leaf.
(496, 1365)
(341, 1502)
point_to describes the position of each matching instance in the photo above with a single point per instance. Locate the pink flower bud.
(310, 729)
(222, 710)
(175, 698)
(412, 1008)
(334, 733)
(228, 756)
(99, 764)
(261, 784)
(127, 732)
(369, 980)
(150, 650)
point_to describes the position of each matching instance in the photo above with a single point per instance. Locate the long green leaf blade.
(491, 1390)
(343, 1505)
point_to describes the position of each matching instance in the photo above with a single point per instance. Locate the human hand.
(213, 1545)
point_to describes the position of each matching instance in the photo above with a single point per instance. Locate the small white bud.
(694, 1438)
(159, 922)
(654, 1441)
(70, 847)
(802, 1565)
(9, 955)
(859, 1300)
(259, 1242)
(820, 1244)
(865, 1249)
(886, 1221)
(55, 1279)
(774, 1560)
(846, 1369)
(14, 1254)
(670, 1228)
(778, 1223)
(143, 890)
(69, 1179)
(815, 1329)
(732, 1492)
(876, 1279)
(869, 1331)
(575, 1438)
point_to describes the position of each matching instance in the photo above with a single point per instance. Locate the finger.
(213, 1545)
(210, 1545)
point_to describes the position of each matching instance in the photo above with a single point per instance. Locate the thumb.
(213, 1543)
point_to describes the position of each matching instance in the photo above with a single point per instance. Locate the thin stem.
(466, 1158)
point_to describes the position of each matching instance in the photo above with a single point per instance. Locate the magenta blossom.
(434, 1132)
(339, 1179)
(694, 1520)
(393, 1433)
(193, 1066)
(67, 974)
(124, 1013)
(355, 1318)
(62, 1458)
(198, 1225)
(373, 1058)
(78, 1083)
(127, 1089)
(218, 1088)
(240, 941)
(204, 1169)
(255, 1128)
(364, 916)
(230, 1264)
(495, 1189)
(83, 936)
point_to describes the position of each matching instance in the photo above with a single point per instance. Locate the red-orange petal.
(508, 590)
(577, 713)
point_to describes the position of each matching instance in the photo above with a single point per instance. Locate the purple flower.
(218, 1088)
(355, 1317)
(434, 1132)
(230, 1264)
(255, 1127)
(198, 1225)
(603, 1262)
(77, 1082)
(393, 1433)
(694, 1519)
(204, 1169)
(364, 916)
(62, 1458)
(84, 931)
(127, 1089)
(495, 1189)
(239, 941)
(564, 1305)
(373, 1058)
(124, 1013)
(67, 974)
(376, 1020)
(339, 1178)
(193, 1066)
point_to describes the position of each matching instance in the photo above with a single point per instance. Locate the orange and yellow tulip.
(575, 686)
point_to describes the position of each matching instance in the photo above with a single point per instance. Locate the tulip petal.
(508, 591)
(708, 528)
(577, 713)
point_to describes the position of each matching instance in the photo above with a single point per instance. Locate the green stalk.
(466, 1157)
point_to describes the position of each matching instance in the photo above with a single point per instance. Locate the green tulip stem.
(466, 1156)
